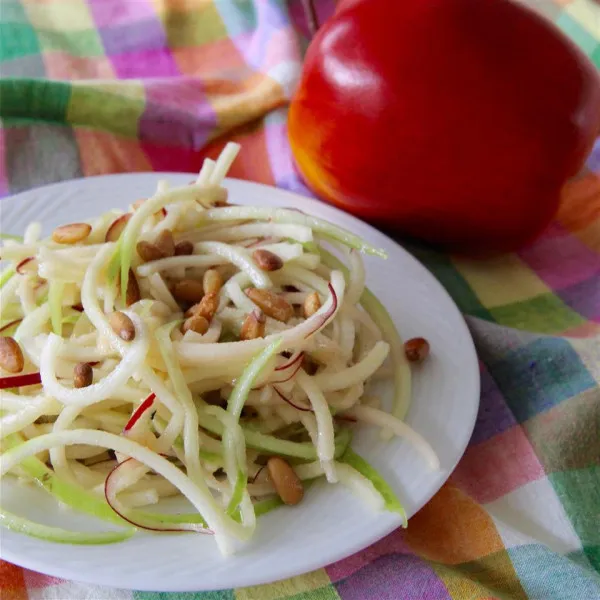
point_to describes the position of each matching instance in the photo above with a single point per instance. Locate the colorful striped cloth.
(103, 86)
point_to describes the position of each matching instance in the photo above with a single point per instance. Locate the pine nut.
(113, 233)
(11, 355)
(72, 233)
(149, 251)
(165, 243)
(133, 294)
(184, 248)
(83, 375)
(212, 281)
(311, 305)
(287, 484)
(195, 323)
(207, 307)
(188, 290)
(416, 349)
(253, 326)
(266, 260)
(271, 304)
(122, 325)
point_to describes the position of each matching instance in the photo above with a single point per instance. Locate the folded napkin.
(103, 86)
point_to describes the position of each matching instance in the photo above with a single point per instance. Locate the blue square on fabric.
(546, 574)
(494, 415)
(539, 375)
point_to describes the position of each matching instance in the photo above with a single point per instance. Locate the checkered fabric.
(103, 86)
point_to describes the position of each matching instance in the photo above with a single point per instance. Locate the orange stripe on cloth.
(587, 330)
(103, 152)
(580, 209)
(250, 164)
(435, 535)
(211, 60)
(468, 553)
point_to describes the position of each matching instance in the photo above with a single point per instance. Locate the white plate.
(330, 524)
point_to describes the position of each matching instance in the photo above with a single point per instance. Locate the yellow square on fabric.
(500, 281)
(287, 587)
(62, 15)
(192, 28)
(236, 103)
(587, 14)
(133, 88)
(116, 111)
(162, 6)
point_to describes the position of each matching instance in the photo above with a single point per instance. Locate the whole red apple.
(454, 121)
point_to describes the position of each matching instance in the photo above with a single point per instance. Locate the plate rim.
(364, 541)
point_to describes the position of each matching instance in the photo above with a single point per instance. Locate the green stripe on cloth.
(217, 595)
(596, 56)
(34, 99)
(17, 39)
(545, 313)
(579, 492)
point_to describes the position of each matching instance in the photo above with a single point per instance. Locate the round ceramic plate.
(330, 523)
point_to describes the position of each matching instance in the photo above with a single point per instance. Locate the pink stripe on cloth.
(561, 259)
(38, 581)
(393, 543)
(115, 12)
(497, 466)
(153, 62)
(177, 114)
(172, 158)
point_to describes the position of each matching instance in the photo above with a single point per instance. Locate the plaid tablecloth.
(103, 86)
